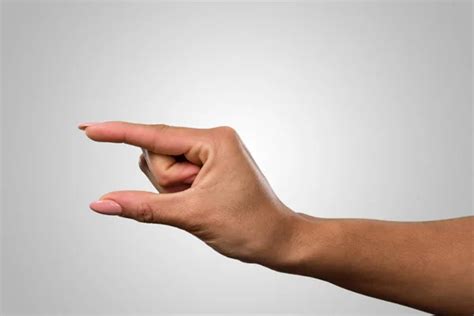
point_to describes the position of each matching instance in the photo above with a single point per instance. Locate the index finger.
(157, 138)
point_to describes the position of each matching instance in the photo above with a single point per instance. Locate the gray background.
(351, 109)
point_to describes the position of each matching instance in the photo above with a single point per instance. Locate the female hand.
(210, 186)
(213, 189)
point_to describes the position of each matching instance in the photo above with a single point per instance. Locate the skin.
(211, 187)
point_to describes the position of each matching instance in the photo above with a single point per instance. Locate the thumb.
(147, 207)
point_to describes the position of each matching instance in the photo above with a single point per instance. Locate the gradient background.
(351, 109)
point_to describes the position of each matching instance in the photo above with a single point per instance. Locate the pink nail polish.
(85, 125)
(107, 207)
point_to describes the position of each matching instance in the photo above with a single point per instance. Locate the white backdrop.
(351, 109)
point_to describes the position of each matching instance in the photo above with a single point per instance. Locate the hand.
(213, 189)
(210, 186)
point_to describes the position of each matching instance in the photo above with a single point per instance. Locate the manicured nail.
(85, 125)
(107, 207)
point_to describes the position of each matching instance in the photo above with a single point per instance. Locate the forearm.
(425, 265)
(219, 195)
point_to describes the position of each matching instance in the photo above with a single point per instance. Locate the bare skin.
(210, 187)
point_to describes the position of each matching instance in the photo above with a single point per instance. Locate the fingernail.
(85, 125)
(107, 207)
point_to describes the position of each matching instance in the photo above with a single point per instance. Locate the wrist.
(310, 247)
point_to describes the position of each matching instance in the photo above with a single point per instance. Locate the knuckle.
(145, 213)
(226, 130)
(160, 129)
(164, 180)
(226, 133)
